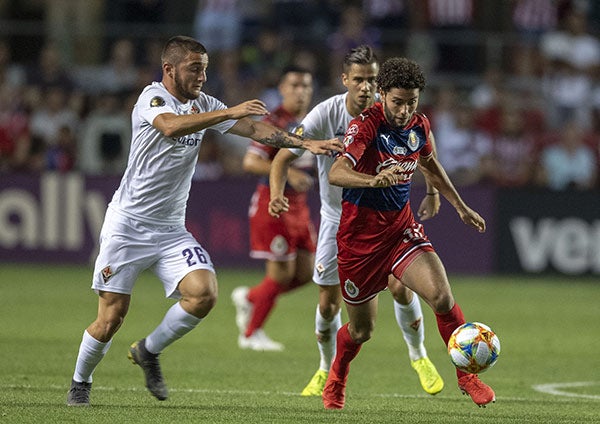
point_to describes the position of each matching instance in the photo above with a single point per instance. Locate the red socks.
(263, 297)
(346, 351)
(447, 323)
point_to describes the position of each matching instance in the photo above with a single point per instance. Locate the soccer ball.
(473, 347)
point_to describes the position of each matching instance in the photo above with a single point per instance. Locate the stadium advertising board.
(543, 231)
(56, 218)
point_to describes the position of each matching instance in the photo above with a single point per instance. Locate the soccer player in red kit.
(378, 234)
(286, 245)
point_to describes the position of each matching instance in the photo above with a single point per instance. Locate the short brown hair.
(177, 48)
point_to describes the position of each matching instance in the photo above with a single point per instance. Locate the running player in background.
(378, 234)
(330, 119)
(286, 245)
(144, 224)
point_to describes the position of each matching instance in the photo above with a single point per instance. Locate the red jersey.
(279, 239)
(372, 145)
(378, 234)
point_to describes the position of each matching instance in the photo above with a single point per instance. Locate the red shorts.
(278, 239)
(364, 266)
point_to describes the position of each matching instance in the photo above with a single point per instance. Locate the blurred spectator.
(218, 25)
(14, 128)
(486, 94)
(106, 136)
(61, 156)
(571, 57)
(530, 19)
(52, 114)
(309, 21)
(569, 162)
(512, 153)
(118, 75)
(49, 71)
(263, 60)
(461, 150)
(386, 14)
(352, 31)
(11, 74)
(450, 20)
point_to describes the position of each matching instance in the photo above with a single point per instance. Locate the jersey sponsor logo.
(399, 150)
(350, 289)
(106, 274)
(386, 164)
(188, 140)
(413, 140)
(279, 245)
(157, 101)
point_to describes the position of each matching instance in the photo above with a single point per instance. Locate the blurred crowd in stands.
(519, 108)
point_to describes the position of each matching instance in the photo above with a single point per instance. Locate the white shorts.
(128, 247)
(326, 270)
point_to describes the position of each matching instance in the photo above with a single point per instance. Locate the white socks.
(326, 337)
(410, 320)
(174, 325)
(91, 352)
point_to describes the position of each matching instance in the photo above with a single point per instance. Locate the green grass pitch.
(548, 371)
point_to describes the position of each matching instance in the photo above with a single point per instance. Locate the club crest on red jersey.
(279, 245)
(413, 140)
(350, 289)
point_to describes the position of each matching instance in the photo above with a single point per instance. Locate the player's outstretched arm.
(433, 170)
(172, 125)
(430, 204)
(267, 134)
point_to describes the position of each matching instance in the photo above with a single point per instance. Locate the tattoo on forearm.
(281, 139)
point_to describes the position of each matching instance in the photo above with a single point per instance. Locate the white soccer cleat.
(259, 341)
(243, 307)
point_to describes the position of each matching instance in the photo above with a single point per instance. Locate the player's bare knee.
(442, 302)
(199, 305)
(329, 310)
(103, 329)
(361, 334)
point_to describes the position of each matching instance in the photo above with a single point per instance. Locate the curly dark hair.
(400, 72)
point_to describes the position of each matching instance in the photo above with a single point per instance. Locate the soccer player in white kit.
(329, 119)
(144, 226)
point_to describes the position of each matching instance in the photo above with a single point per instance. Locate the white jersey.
(328, 119)
(155, 186)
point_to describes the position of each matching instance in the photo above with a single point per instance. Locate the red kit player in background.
(378, 234)
(288, 244)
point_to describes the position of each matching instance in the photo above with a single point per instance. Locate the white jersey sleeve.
(156, 183)
(328, 119)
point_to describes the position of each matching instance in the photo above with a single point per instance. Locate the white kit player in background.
(144, 226)
(330, 118)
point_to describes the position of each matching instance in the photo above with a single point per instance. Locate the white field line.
(558, 389)
(552, 389)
